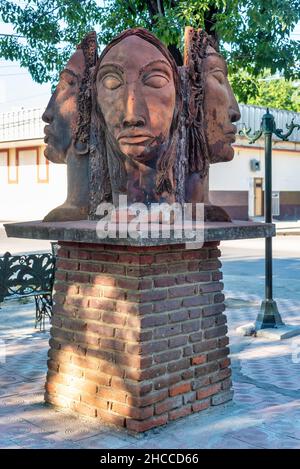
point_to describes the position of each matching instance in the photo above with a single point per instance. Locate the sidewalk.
(287, 228)
(283, 228)
(265, 412)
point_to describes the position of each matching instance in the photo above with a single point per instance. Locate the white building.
(31, 186)
(239, 185)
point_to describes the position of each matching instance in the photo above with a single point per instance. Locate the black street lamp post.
(269, 316)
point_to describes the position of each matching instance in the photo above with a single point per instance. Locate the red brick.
(190, 326)
(224, 363)
(182, 364)
(209, 391)
(211, 287)
(217, 276)
(167, 381)
(215, 332)
(220, 375)
(133, 335)
(111, 418)
(168, 404)
(87, 290)
(79, 254)
(112, 344)
(63, 252)
(213, 309)
(182, 291)
(149, 399)
(65, 264)
(167, 356)
(219, 298)
(178, 413)
(167, 305)
(201, 405)
(164, 282)
(101, 379)
(203, 370)
(205, 346)
(80, 277)
(102, 303)
(104, 256)
(134, 412)
(223, 341)
(198, 277)
(226, 384)
(168, 257)
(179, 389)
(198, 360)
(149, 373)
(180, 315)
(166, 331)
(142, 426)
(197, 300)
(60, 275)
(193, 254)
(113, 318)
(103, 280)
(147, 295)
(216, 354)
(114, 293)
(177, 341)
(88, 313)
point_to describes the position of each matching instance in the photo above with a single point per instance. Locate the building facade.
(31, 186)
(238, 185)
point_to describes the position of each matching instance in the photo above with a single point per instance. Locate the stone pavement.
(265, 412)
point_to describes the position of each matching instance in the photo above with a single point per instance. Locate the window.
(12, 166)
(42, 167)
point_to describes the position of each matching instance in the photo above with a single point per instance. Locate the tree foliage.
(253, 34)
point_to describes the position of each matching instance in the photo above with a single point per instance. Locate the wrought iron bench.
(26, 276)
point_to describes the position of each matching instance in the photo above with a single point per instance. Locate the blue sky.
(18, 90)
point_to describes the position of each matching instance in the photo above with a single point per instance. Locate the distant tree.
(278, 93)
(253, 34)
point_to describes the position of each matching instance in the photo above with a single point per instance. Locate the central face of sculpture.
(136, 94)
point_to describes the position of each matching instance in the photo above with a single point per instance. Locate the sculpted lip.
(47, 132)
(134, 138)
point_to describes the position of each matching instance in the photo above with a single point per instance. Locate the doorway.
(258, 197)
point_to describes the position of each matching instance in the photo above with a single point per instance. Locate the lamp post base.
(269, 316)
(275, 333)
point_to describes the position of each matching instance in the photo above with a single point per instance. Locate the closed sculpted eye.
(156, 80)
(219, 76)
(111, 81)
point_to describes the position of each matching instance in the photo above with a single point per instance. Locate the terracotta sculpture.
(134, 123)
(211, 111)
(68, 131)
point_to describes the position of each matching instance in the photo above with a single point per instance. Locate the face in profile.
(62, 112)
(220, 108)
(136, 94)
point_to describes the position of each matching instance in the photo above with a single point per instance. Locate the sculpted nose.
(48, 115)
(134, 115)
(234, 110)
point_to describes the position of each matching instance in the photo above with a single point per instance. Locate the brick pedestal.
(138, 334)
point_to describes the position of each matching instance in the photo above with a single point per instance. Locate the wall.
(30, 186)
(231, 184)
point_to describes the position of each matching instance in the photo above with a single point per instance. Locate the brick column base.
(138, 334)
